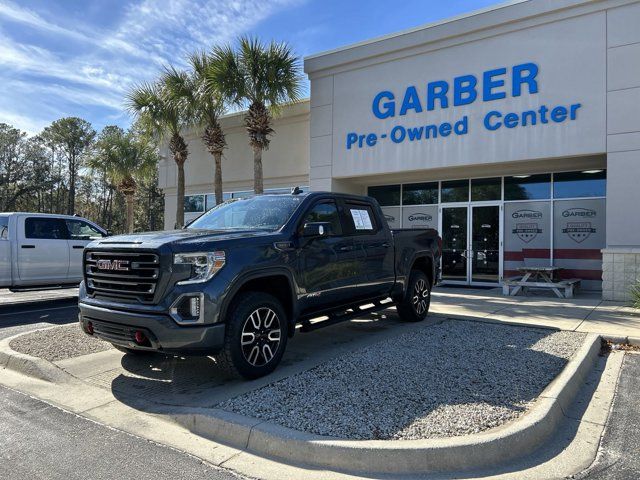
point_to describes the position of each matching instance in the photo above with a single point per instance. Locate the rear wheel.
(255, 337)
(414, 307)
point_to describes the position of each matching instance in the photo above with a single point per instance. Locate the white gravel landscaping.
(450, 379)
(58, 343)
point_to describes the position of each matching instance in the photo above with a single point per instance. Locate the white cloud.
(150, 33)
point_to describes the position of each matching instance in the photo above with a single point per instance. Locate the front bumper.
(119, 327)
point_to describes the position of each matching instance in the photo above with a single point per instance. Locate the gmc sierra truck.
(237, 282)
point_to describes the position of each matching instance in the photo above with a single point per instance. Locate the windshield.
(264, 212)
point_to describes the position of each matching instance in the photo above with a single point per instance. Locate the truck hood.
(180, 240)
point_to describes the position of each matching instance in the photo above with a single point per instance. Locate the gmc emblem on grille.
(121, 265)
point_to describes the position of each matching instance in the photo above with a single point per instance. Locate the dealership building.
(515, 131)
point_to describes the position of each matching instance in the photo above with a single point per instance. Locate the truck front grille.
(124, 275)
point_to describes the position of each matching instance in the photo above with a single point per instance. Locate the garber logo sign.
(420, 217)
(579, 231)
(462, 90)
(524, 213)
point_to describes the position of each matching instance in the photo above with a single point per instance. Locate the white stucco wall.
(569, 47)
(285, 163)
(621, 259)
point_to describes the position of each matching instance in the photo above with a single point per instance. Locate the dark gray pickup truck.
(236, 282)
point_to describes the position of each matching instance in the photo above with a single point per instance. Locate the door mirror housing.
(316, 229)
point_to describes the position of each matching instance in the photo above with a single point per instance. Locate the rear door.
(81, 233)
(328, 266)
(374, 247)
(43, 252)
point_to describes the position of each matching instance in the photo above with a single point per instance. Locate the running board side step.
(343, 316)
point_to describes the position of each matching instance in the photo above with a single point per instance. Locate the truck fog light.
(194, 306)
(188, 309)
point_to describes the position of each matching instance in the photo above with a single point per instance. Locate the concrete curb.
(477, 451)
(404, 456)
(31, 366)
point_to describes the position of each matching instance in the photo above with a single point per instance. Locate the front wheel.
(255, 337)
(414, 307)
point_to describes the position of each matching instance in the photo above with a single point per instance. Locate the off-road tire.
(236, 359)
(414, 307)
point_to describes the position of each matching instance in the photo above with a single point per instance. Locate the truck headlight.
(204, 265)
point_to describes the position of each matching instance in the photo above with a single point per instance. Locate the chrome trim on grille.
(139, 282)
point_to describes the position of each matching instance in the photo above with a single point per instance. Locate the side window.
(4, 228)
(325, 212)
(361, 218)
(80, 230)
(45, 228)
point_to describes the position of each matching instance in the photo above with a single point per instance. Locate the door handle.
(78, 246)
(27, 246)
(386, 245)
(346, 248)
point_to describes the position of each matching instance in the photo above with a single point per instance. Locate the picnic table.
(540, 277)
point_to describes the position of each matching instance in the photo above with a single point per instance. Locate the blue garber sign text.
(463, 90)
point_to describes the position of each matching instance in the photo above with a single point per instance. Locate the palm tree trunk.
(180, 196)
(258, 186)
(129, 197)
(71, 201)
(217, 179)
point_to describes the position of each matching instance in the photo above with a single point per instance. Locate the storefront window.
(420, 193)
(194, 203)
(455, 191)
(527, 187)
(483, 189)
(588, 183)
(4, 227)
(246, 194)
(386, 194)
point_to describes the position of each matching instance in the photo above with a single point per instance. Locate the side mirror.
(316, 229)
(109, 233)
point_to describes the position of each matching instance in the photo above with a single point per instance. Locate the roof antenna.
(296, 191)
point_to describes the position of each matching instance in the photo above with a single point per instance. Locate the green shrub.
(635, 295)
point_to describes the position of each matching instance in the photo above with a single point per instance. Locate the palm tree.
(208, 106)
(262, 77)
(126, 160)
(162, 109)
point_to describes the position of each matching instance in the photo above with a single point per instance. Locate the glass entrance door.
(455, 244)
(471, 244)
(485, 244)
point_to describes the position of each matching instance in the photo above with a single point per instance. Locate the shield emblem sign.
(527, 231)
(578, 231)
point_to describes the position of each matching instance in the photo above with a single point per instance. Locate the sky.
(80, 57)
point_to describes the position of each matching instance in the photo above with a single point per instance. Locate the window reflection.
(587, 183)
(527, 187)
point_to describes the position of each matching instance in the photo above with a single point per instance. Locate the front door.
(471, 244)
(329, 265)
(484, 257)
(81, 234)
(455, 244)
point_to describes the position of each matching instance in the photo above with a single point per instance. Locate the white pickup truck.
(38, 249)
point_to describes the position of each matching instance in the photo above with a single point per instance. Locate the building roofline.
(458, 26)
(410, 30)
